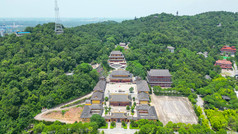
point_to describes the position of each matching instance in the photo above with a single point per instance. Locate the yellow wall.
(144, 102)
(95, 102)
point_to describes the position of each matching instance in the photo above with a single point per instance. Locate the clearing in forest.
(70, 115)
(175, 109)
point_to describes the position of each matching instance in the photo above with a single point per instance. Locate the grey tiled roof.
(143, 96)
(151, 112)
(87, 110)
(159, 72)
(142, 86)
(120, 98)
(97, 96)
(118, 115)
(101, 85)
(116, 52)
(120, 72)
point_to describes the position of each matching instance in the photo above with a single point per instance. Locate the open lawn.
(175, 109)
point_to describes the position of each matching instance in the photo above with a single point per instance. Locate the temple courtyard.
(175, 109)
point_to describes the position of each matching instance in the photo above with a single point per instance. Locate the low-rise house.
(159, 77)
(228, 50)
(142, 86)
(143, 98)
(90, 110)
(171, 49)
(97, 98)
(146, 112)
(120, 100)
(224, 64)
(120, 76)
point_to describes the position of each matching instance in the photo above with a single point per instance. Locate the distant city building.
(228, 50)
(117, 60)
(171, 49)
(224, 64)
(120, 76)
(18, 34)
(159, 77)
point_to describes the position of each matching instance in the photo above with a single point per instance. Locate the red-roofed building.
(224, 64)
(228, 50)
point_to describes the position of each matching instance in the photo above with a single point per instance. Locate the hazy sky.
(111, 8)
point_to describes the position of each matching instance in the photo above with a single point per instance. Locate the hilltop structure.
(159, 77)
(117, 60)
(171, 49)
(224, 64)
(228, 50)
(124, 45)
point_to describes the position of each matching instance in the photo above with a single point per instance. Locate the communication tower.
(58, 26)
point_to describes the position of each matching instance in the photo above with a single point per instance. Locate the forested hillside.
(33, 67)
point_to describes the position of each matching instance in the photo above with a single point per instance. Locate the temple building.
(100, 87)
(117, 117)
(120, 100)
(142, 86)
(97, 98)
(159, 77)
(117, 60)
(124, 45)
(120, 76)
(143, 98)
(224, 64)
(90, 110)
(228, 50)
(146, 112)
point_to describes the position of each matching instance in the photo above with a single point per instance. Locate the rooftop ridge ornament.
(58, 26)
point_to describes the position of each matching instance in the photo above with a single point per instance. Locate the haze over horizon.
(109, 8)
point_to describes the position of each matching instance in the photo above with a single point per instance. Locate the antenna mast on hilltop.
(58, 26)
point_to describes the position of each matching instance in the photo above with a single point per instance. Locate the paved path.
(58, 108)
(200, 103)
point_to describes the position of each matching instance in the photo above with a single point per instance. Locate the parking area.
(175, 109)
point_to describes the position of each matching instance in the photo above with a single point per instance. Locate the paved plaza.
(175, 109)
